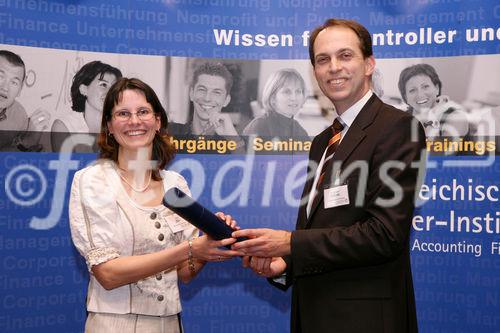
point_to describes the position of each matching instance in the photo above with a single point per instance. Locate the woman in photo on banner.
(420, 88)
(135, 248)
(88, 90)
(282, 98)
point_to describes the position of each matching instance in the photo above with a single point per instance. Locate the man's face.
(97, 89)
(340, 69)
(11, 82)
(209, 95)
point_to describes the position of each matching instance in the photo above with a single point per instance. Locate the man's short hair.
(213, 69)
(364, 37)
(15, 60)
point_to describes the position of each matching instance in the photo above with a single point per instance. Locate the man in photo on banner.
(18, 132)
(348, 259)
(209, 92)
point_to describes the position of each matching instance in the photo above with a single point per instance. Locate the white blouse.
(106, 224)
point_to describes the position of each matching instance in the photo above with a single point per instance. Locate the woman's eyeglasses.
(142, 114)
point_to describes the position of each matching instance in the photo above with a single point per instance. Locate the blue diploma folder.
(199, 216)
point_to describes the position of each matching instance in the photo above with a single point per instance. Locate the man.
(209, 92)
(16, 128)
(349, 261)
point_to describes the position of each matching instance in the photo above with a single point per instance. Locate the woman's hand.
(208, 249)
(228, 219)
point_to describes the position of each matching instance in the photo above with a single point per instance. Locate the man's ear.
(369, 65)
(83, 89)
(20, 89)
(23, 82)
(226, 102)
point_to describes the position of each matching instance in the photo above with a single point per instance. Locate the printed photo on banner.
(456, 99)
(17, 129)
(237, 106)
(448, 102)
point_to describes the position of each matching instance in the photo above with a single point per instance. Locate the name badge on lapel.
(337, 195)
(176, 223)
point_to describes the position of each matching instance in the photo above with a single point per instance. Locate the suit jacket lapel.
(353, 138)
(315, 157)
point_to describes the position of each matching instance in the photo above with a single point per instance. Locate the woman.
(420, 88)
(282, 98)
(135, 248)
(88, 90)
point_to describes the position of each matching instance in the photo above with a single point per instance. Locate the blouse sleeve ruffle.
(100, 255)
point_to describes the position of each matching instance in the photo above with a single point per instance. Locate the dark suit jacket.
(350, 265)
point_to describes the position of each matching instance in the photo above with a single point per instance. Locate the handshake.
(261, 249)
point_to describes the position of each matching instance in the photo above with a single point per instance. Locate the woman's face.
(97, 89)
(289, 99)
(421, 93)
(134, 132)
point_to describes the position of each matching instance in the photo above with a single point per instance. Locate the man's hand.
(223, 124)
(263, 242)
(39, 120)
(267, 267)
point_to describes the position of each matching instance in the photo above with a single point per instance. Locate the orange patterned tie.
(333, 143)
(330, 150)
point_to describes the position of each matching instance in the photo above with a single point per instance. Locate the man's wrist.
(287, 243)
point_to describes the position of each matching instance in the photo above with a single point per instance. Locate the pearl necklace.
(133, 188)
